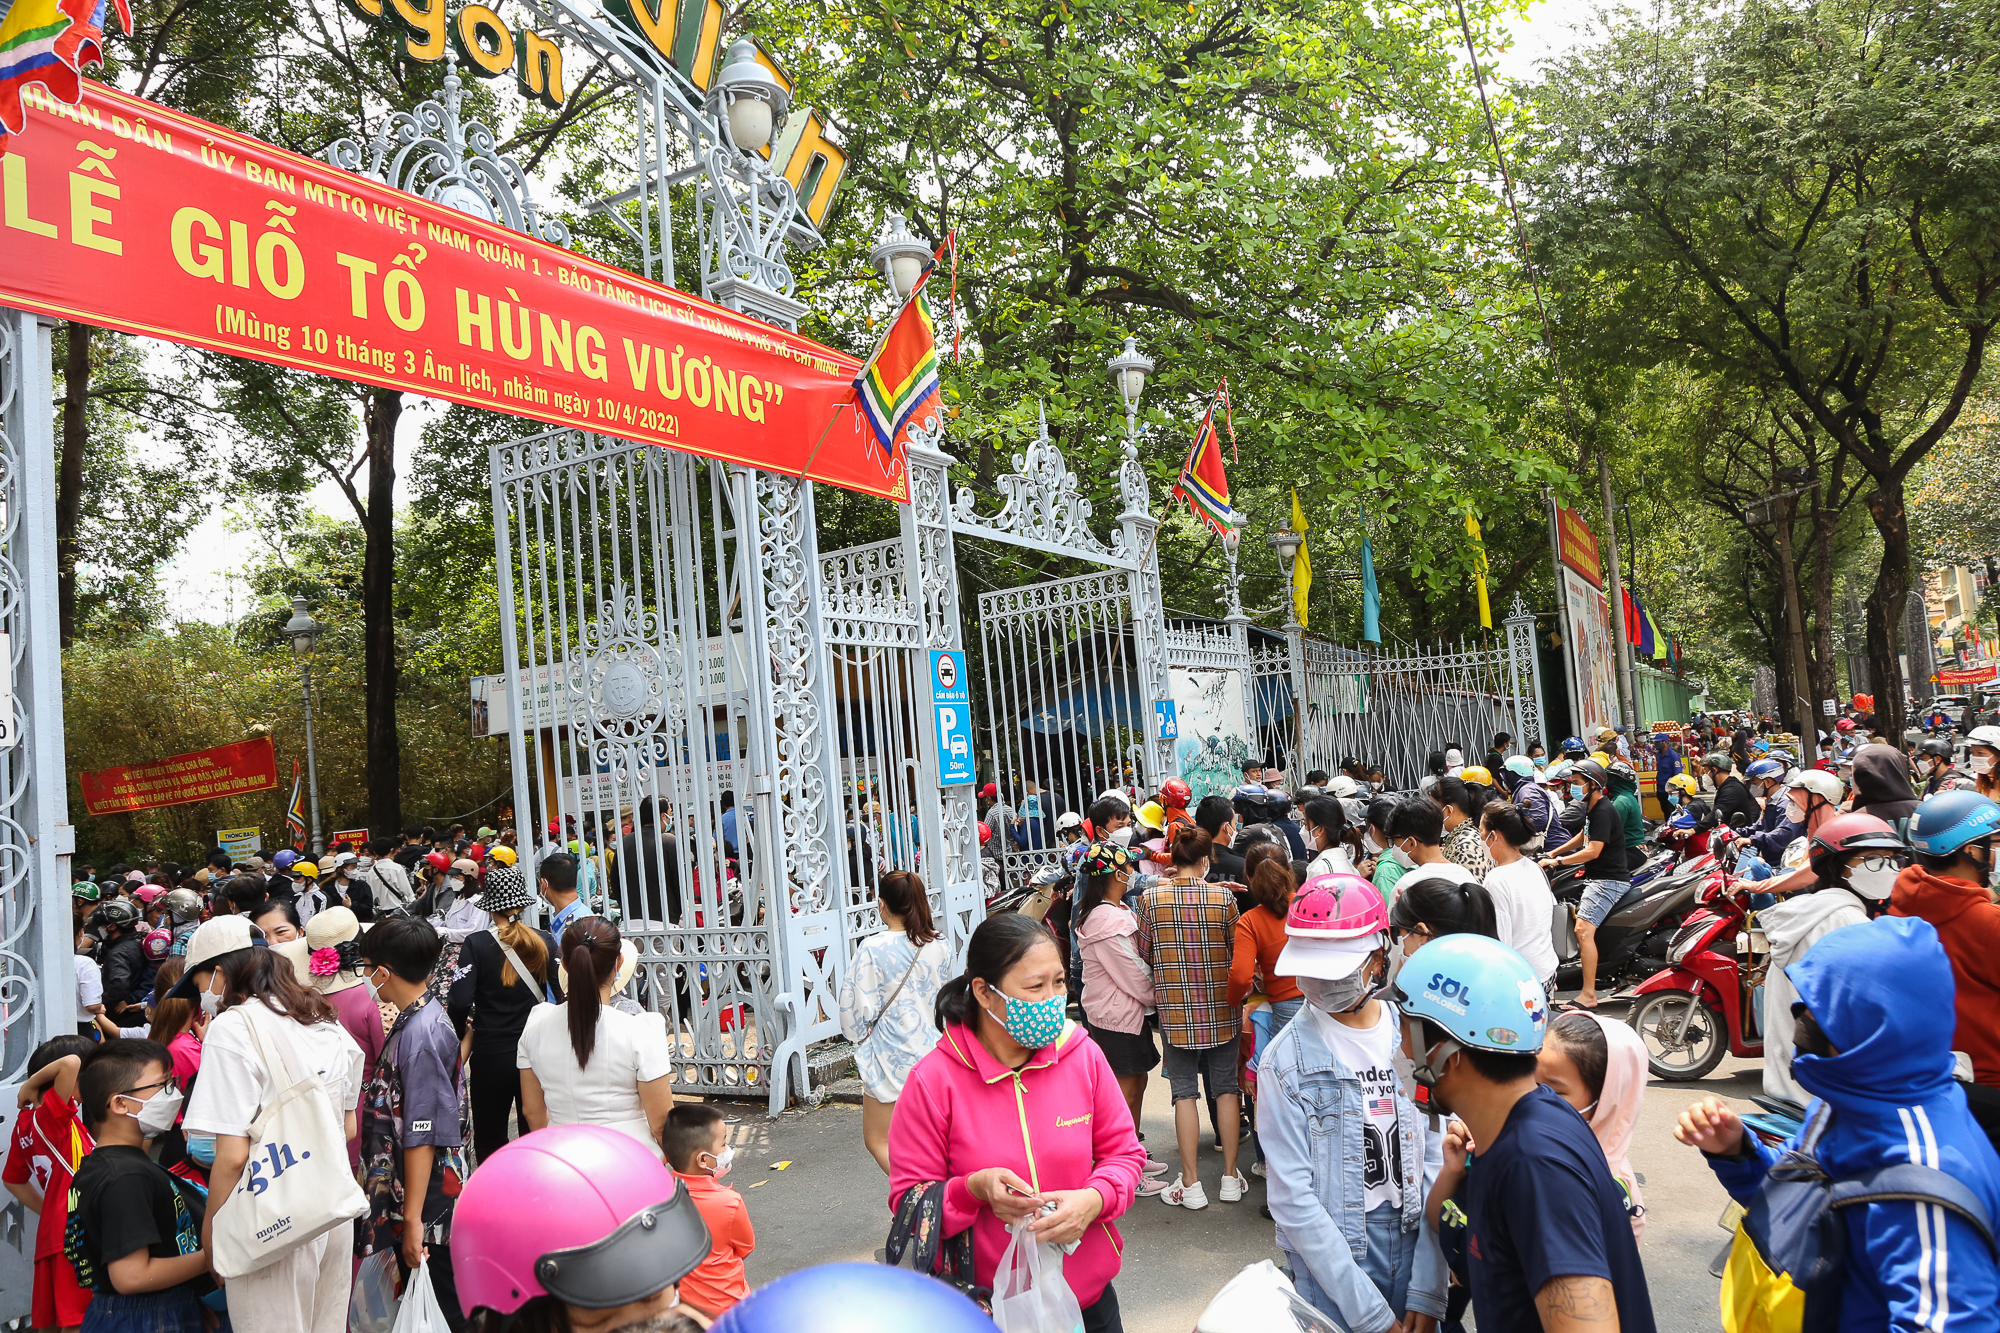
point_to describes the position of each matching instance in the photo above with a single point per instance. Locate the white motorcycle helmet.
(1261, 1299)
(1986, 738)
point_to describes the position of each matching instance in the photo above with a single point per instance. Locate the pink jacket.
(1059, 1123)
(1117, 985)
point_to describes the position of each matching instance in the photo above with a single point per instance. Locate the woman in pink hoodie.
(1016, 1107)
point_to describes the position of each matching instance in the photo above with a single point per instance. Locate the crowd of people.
(1350, 992)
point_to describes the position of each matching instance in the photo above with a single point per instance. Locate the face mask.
(374, 991)
(1673, 798)
(211, 1003)
(1406, 1070)
(156, 1115)
(1397, 957)
(1794, 813)
(1033, 1023)
(1343, 996)
(362, 863)
(1403, 859)
(1873, 885)
(201, 1147)
(1575, 792)
(723, 1161)
(1982, 763)
(453, 882)
(1371, 844)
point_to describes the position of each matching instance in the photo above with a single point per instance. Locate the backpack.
(1795, 1223)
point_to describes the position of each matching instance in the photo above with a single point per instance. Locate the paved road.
(831, 1204)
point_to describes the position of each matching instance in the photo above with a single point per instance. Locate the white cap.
(212, 940)
(1328, 960)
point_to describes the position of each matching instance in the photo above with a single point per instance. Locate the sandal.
(1574, 1007)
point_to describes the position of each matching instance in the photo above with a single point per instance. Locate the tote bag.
(296, 1184)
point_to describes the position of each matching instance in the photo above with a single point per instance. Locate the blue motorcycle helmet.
(286, 859)
(1765, 768)
(855, 1298)
(1478, 992)
(1572, 747)
(1950, 820)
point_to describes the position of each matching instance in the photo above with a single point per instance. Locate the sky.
(203, 582)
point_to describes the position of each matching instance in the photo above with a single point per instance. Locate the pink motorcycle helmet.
(1339, 906)
(584, 1214)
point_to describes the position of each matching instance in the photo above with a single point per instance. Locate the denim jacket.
(1310, 1122)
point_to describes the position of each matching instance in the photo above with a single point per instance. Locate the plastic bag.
(1261, 1299)
(420, 1311)
(372, 1308)
(1029, 1292)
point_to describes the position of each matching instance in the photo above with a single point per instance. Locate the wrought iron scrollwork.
(1043, 506)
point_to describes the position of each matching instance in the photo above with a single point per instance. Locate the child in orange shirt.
(697, 1147)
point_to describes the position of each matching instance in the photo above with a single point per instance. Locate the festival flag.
(901, 378)
(1479, 569)
(295, 813)
(1371, 600)
(1302, 565)
(1631, 617)
(1203, 483)
(49, 42)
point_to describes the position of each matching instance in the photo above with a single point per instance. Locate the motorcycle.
(1703, 1004)
(1632, 941)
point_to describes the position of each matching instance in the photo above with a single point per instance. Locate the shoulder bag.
(521, 969)
(884, 1013)
(297, 1184)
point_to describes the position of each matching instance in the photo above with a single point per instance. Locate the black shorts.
(1127, 1053)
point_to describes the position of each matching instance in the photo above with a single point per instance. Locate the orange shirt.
(718, 1282)
(1260, 938)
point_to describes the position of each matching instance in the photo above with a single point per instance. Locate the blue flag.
(1371, 600)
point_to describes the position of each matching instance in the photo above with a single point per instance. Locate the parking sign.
(951, 695)
(1170, 725)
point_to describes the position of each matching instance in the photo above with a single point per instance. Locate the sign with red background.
(1576, 546)
(180, 779)
(122, 213)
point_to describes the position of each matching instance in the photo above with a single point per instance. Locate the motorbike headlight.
(1684, 942)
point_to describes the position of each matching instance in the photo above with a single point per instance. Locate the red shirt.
(718, 1282)
(48, 1144)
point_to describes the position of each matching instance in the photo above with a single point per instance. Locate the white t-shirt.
(1524, 912)
(89, 986)
(630, 1049)
(1364, 1053)
(234, 1085)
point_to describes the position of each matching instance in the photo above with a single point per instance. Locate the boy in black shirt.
(134, 1235)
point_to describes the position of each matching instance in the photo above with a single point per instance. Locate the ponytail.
(527, 946)
(903, 893)
(590, 952)
(1268, 876)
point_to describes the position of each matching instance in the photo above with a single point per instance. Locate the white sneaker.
(1257, 1170)
(1155, 1167)
(1233, 1188)
(1183, 1195)
(1151, 1185)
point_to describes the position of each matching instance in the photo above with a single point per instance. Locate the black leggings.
(494, 1089)
(1103, 1317)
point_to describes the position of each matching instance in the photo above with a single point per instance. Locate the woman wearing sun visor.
(575, 1229)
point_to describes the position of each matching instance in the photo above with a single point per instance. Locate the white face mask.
(453, 882)
(1402, 858)
(211, 1003)
(156, 1115)
(374, 991)
(1874, 885)
(723, 1161)
(1982, 763)
(1368, 840)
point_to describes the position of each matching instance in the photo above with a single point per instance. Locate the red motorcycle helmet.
(985, 834)
(439, 860)
(1849, 833)
(1175, 794)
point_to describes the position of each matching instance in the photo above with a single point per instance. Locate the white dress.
(631, 1049)
(906, 1034)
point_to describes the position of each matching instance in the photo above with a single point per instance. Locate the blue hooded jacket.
(1882, 992)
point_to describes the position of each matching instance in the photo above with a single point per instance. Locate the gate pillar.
(945, 817)
(1149, 613)
(1525, 673)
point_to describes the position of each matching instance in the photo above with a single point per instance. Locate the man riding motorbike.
(1934, 766)
(1732, 794)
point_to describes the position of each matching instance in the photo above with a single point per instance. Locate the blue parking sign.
(1163, 713)
(954, 744)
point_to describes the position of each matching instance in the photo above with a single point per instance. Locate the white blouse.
(630, 1049)
(905, 1033)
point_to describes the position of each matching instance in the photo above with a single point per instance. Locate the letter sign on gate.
(952, 698)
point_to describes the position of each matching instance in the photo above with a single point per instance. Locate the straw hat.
(326, 931)
(628, 963)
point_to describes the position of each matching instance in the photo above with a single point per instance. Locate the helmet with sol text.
(1478, 991)
(1950, 820)
(1175, 794)
(612, 1223)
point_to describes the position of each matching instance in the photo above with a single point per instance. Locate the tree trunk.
(1796, 707)
(1886, 605)
(1825, 667)
(69, 473)
(378, 615)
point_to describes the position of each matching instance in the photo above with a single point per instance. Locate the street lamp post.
(1285, 544)
(303, 631)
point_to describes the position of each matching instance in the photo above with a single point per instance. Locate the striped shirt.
(1187, 933)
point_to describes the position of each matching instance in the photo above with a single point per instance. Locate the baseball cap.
(210, 941)
(1329, 960)
(988, 792)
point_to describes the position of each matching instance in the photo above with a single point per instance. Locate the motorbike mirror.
(1739, 820)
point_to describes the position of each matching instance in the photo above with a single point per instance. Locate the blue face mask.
(1034, 1023)
(1673, 798)
(201, 1147)
(1575, 792)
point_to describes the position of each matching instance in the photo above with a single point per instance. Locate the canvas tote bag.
(297, 1183)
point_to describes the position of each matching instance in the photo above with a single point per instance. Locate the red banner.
(206, 775)
(1576, 546)
(122, 213)
(1970, 676)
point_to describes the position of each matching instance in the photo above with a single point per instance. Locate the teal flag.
(1371, 600)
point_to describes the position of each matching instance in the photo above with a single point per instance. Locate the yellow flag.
(1302, 565)
(1479, 566)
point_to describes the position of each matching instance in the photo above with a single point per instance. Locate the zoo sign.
(124, 214)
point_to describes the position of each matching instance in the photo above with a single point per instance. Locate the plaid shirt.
(1187, 933)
